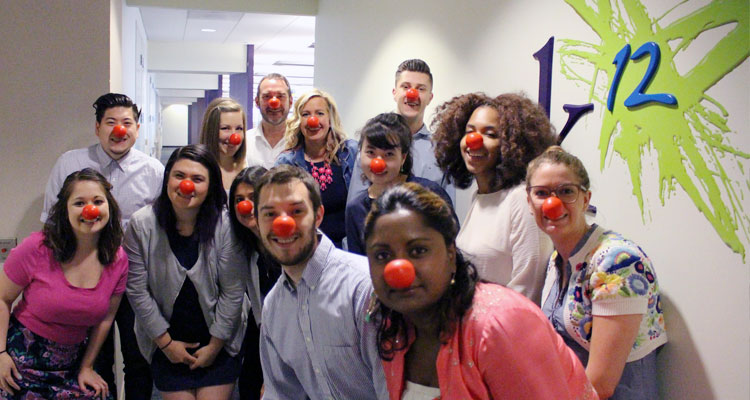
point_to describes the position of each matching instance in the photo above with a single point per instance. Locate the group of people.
(305, 264)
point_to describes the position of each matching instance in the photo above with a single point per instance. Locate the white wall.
(175, 125)
(55, 63)
(476, 45)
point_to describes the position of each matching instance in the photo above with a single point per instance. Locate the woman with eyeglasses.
(601, 292)
(490, 141)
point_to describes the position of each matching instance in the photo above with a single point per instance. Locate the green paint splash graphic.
(691, 139)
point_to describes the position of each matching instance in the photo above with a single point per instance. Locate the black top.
(187, 323)
(359, 206)
(334, 203)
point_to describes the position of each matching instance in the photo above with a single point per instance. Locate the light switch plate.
(5, 246)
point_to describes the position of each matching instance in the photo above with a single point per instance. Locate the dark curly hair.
(58, 234)
(438, 215)
(525, 133)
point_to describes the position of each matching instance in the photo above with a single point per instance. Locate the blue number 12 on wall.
(638, 97)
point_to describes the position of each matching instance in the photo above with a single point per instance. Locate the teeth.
(285, 241)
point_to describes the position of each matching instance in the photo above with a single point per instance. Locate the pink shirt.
(53, 308)
(505, 348)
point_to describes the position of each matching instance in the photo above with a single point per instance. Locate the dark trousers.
(138, 381)
(251, 375)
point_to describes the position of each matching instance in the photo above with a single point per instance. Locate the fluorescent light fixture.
(292, 64)
(208, 30)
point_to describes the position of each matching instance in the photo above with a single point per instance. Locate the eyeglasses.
(567, 192)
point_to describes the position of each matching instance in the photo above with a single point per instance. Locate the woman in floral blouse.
(601, 292)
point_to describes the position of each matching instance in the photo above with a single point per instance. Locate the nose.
(274, 102)
(90, 212)
(552, 207)
(399, 273)
(313, 122)
(283, 226)
(377, 165)
(187, 186)
(474, 141)
(412, 95)
(235, 139)
(119, 131)
(245, 207)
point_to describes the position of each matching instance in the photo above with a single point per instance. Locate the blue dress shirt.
(315, 342)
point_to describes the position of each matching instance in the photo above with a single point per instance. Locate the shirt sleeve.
(121, 265)
(618, 285)
(279, 378)
(19, 266)
(368, 345)
(353, 232)
(54, 183)
(527, 276)
(521, 356)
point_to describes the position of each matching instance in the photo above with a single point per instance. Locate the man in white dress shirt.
(266, 140)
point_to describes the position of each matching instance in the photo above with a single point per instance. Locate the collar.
(583, 247)
(315, 265)
(422, 133)
(105, 160)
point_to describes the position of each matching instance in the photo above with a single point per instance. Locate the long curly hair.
(456, 301)
(58, 233)
(336, 135)
(525, 133)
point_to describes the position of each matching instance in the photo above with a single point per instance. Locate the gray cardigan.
(156, 277)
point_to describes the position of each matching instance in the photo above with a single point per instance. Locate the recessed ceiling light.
(208, 30)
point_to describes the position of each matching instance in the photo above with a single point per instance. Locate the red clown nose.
(119, 131)
(474, 141)
(245, 207)
(274, 103)
(283, 226)
(377, 165)
(313, 122)
(399, 274)
(187, 186)
(412, 95)
(235, 139)
(553, 208)
(90, 212)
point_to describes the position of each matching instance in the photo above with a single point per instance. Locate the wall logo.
(648, 105)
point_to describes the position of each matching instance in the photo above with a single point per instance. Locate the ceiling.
(282, 43)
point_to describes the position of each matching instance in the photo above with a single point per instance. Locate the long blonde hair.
(336, 136)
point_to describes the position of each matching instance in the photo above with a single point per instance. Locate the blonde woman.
(317, 143)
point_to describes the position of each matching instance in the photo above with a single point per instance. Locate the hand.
(205, 356)
(177, 353)
(8, 371)
(87, 377)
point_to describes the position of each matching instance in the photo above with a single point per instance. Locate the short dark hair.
(58, 234)
(525, 133)
(387, 131)
(285, 173)
(216, 199)
(436, 213)
(110, 100)
(274, 75)
(249, 176)
(414, 65)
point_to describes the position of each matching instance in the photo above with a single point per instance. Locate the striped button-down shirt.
(136, 177)
(315, 342)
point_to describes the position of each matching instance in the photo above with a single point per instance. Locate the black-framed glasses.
(567, 192)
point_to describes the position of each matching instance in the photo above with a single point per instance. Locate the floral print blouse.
(610, 275)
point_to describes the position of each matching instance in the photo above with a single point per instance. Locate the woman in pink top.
(446, 335)
(72, 275)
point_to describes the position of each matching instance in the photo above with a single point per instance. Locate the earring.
(453, 279)
(373, 307)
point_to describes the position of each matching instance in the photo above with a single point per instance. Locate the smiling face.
(185, 169)
(394, 159)
(117, 147)
(87, 193)
(481, 162)
(270, 89)
(402, 234)
(572, 223)
(318, 107)
(229, 123)
(243, 192)
(293, 200)
(412, 110)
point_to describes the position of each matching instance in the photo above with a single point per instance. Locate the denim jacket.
(347, 155)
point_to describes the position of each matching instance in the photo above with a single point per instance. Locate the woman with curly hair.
(601, 293)
(491, 140)
(445, 335)
(72, 276)
(316, 142)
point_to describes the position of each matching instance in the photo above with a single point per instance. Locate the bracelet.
(160, 348)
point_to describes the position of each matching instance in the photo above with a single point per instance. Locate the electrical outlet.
(5, 246)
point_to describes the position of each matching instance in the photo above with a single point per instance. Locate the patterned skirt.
(49, 370)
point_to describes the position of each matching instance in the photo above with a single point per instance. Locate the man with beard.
(266, 140)
(315, 342)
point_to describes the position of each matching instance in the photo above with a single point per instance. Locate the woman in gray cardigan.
(185, 283)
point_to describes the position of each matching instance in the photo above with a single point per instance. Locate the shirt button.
(308, 339)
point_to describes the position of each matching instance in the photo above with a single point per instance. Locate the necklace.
(322, 174)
